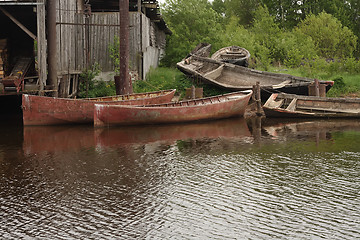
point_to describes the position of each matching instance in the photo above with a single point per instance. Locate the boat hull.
(234, 55)
(238, 78)
(295, 106)
(224, 106)
(38, 110)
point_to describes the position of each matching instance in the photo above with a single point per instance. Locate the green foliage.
(297, 47)
(170, 78)
(320, 46)
(114, 49)
(330, 37)
(191, 22)
(340, 88)
(163, 78)
(91, 88)
(243, 10)
(219, 6)
(235, 35)
(274, 45)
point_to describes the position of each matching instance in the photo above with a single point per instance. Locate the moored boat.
(233, 54)
(295, 106)
(216, 107)
(237, 78)
(40, 110)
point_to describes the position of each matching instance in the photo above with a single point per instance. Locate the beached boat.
(216, 107)
(233, 54)
(295, 106)
(237, 78)
(39, 110)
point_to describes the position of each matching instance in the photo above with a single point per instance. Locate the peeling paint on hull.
(217, 107)
(39, 110)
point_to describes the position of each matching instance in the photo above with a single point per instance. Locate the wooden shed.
(85, 30)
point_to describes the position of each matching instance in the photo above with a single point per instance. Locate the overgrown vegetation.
(317, 39)
(89, 87)
(164, 78)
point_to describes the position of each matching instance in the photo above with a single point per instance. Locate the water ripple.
(181, 190)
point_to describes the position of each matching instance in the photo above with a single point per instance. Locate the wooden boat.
(216, 107)
(295, 106)
(233, 54)
(38, 110)
(237, 78)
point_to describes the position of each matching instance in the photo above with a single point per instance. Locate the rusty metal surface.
(39, 110)
(217, 107)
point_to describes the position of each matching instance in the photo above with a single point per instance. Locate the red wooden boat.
(38, 110)
(216, 107)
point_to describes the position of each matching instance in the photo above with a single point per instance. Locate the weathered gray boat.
(295, 106)
(233, 54)
(237, 78)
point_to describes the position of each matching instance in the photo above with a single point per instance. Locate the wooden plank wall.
(146, 41)
(66, 36)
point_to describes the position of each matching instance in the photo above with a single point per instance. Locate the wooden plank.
(292, 105)
(19, 24)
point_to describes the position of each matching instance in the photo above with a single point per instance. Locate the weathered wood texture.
(41, 43)
(147, 42)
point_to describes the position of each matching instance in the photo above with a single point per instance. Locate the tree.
(191, 22)
(219, 6)
(244, 10)
(330, 37)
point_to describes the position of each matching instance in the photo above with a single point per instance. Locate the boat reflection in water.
(294, 130)
(214, 135)
(233, 128)
(53, 139)
(57, 139)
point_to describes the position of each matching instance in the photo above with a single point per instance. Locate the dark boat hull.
(238, 78)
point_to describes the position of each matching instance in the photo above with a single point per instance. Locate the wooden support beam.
(52, 46)
(20, 25)
(41, 44)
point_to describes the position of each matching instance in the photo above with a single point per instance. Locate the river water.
(228, 179)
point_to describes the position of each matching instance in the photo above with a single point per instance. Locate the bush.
(191, 22)
(331, 39)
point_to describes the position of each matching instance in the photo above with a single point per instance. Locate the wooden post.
(41, 43)
(317, 92)
(52, 46)
(257, 98)
(125, 84)
(193, 96)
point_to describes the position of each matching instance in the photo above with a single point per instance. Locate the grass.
(162, 79)
(345, 84)
(171, 78)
